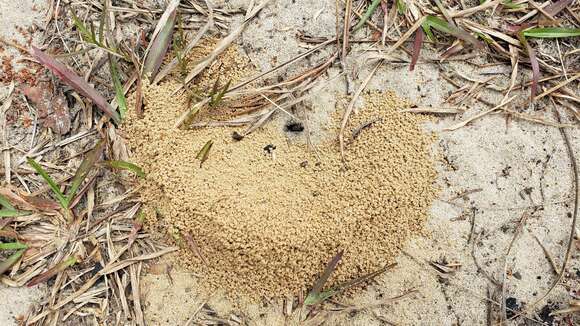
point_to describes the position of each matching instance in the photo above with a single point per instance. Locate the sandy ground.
(517, 168)
(16, 301)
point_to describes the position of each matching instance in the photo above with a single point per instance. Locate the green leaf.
(127, 166)
(370, 11)
(552, 32)
(55, 189)
(204, 152)
(13, 246)
(45, 276)
(6, 264)
(119, 91)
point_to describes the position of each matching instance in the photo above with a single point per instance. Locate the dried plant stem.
(350, 107)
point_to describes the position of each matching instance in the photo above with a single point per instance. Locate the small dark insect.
(304, 164)
(269, 148)
(237, 136)
(294, 127)
(512, 305)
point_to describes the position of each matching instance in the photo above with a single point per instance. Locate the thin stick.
(407, 34)
(479, 115)
(346, 29)
(348, 111)
(555, 88)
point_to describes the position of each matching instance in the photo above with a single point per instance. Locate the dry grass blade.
(160, 40)
(445, 27)
(345, 30)
(557, 87)
(350, 107)
(479, 115)
(4, 133)
(315, 296)
(123, 165)
(73, 80)
(137, 226)
(190, 45)
(419, 37)
(533, 62)
(405, 36)
(223, 44)
(554, 8)
(52, 271)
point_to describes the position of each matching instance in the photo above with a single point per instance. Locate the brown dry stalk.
(350, 107)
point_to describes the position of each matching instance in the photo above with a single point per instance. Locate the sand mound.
(265, 220)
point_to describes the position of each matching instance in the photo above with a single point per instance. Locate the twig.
(479, 115)
(350, 107)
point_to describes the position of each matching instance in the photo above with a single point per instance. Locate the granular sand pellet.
(262, 216)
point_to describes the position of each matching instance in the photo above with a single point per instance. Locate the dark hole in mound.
(513, 306)
(294, 127)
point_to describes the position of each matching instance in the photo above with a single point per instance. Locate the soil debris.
(265, 223)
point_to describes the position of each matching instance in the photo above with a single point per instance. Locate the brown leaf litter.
(53, 110)
(266, 213)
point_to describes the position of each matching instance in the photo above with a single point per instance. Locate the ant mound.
(261, 216)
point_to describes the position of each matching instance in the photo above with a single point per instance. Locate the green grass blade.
(160, 41)
(12, 213)
(86, 34)
(127, 166)
(6, 264)
(216, 99)
(444, 27)
(401, 7)
(316, 295)
(84, 169)
(204, 152)
(55, 189)
(370, 11)
(13, 246)
(119, 91)
(552, 32)
(5, 203)
(511, 5)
